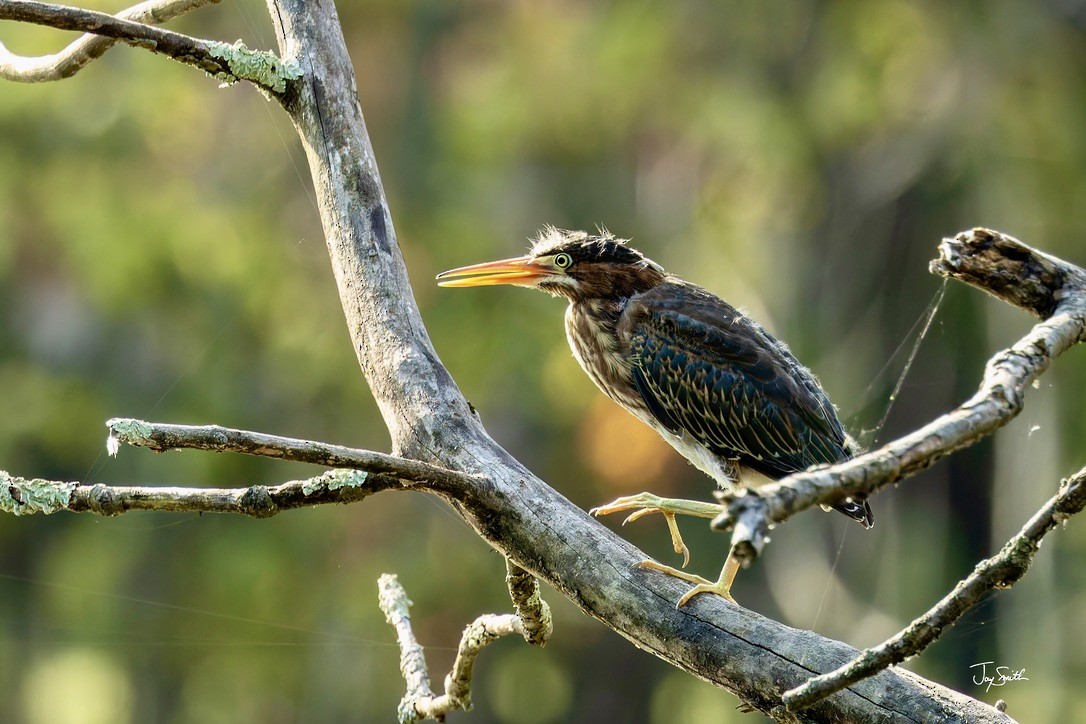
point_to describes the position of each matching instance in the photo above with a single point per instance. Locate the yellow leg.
(722, 587)
(646, 504)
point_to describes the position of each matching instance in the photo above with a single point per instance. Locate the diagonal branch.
(228, 63)
(985, 259)
(89, 47)
(21, 496)
(1000, 571)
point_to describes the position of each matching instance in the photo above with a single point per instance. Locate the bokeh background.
(161, 257)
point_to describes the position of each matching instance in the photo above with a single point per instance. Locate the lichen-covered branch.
(420, 702)
(533, 611)
(985, 259)
(1000, 571)
(396, 606)
(227, 63)
(89, 47)
(164, 436)
(22, 496)
(479, 634)
(364, 473)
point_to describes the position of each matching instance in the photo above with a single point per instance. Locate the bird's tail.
(857, 510)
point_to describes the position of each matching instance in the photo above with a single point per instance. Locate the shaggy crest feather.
(551, 237)
(601, 246)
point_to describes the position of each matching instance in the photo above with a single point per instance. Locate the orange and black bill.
(522, 270)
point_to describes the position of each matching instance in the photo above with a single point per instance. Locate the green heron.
(720, 389)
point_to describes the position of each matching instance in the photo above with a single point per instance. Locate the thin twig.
(396, 606)
(479, 634)
(973, 257)
(420, 702)
(227, 63)
(21, 496)
(89, 47)
(1000, 571)
(365, 472)
(164, 436)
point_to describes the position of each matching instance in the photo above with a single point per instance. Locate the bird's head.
(572, 264)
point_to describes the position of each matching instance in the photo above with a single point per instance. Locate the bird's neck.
(596, 319)
(590, 329)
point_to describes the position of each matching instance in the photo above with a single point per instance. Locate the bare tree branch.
(72, 59)
(420, 702)
(985, 259)
(432, 424)
(22, 496)
(163, 436)
(1000, 571)
(227, 63)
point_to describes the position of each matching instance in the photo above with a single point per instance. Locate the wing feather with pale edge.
(702, 366)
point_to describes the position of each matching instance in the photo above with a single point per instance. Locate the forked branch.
(532, 621)
(362, 473)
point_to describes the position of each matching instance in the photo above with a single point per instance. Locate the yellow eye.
(563, 261)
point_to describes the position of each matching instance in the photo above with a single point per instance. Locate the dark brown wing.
(703, 367)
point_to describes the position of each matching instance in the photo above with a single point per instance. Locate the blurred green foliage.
(161, 257)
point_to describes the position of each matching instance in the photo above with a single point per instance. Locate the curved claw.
(677, 541)
(640, 514)
(646, 501)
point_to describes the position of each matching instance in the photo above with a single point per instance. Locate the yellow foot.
(722, 587)
(702, 585)
(644, 504)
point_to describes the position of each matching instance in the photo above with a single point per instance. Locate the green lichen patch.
(20, 496)
(259, 66)
(347, 479)
(334, 480)
(125, 430)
